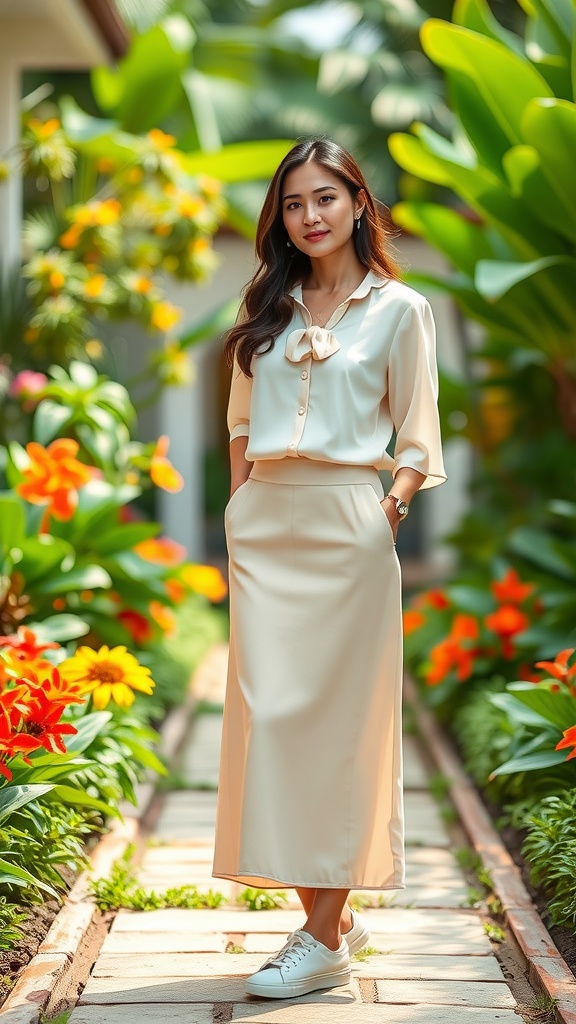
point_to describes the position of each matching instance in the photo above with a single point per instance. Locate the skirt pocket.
(383, 513)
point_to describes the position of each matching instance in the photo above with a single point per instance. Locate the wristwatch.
(402, 507)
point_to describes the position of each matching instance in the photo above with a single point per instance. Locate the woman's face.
(318, 210)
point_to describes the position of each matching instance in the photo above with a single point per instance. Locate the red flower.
(507, 621)
(510, 589)
(569, 740)
(436, 599)
(137, 625)
(42, 722)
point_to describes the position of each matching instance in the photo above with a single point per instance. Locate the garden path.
(434, 962)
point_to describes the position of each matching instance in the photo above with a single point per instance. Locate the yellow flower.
(164, 316)
(211, 187)
(94, 286)
(134, 175)
(43, 130)
(108, 674)
(189, 205)
(56, 279)
(94, 348)
(205, 579)
(141, 284)
(199, 245)
(160, 140)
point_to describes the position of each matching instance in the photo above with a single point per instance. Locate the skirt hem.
(248, 879)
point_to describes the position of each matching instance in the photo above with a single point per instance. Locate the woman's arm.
(406, 482)
(239, 465)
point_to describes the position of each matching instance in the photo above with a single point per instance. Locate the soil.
(34, 930)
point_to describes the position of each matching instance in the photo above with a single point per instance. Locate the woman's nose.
(311, 215)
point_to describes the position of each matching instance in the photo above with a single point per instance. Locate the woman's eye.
(329, 198)
(292, 206)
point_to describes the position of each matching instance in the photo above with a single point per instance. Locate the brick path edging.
(58, 968)
(548, 971)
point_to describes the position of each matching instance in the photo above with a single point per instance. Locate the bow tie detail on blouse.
(314, 341)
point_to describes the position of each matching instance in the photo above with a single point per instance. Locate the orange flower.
(163, 617)
(206, 580)
(449, 654)
(507, 621)
(24, 646)
(569, 740)
(176, 591)
(44, 129)
(54, 477)
(161, 551)
(559, 668)
(141, 284)
(71, 237)
(162, 472)
(510, 589)
(56, 279)
(189, 205)
(412, 621)
(137, 625)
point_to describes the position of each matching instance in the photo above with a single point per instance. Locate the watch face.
(402, 508)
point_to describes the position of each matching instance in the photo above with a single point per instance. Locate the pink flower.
(27, 383)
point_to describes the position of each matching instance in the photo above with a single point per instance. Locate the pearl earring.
(289, 244)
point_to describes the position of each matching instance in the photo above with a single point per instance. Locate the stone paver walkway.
(434, 962)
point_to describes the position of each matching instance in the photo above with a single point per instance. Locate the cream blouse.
(337, 393)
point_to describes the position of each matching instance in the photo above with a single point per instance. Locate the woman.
(331, 355)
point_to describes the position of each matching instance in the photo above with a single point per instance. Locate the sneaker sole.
(358, 942)
(299, 988)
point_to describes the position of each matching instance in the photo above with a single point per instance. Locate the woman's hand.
(392, 516)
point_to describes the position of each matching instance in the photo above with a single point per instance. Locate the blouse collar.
(371, 280)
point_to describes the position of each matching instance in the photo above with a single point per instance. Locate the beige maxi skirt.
(310, 790)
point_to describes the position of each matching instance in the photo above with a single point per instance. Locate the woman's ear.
(360, 203)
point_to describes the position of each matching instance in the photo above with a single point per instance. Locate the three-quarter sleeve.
(413, 395)
(238, 417)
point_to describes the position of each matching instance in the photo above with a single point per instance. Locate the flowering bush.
(49, 733)
(464, 633)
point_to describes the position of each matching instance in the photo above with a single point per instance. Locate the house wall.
(35, 34)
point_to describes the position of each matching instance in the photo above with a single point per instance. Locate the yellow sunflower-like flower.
(108, 674)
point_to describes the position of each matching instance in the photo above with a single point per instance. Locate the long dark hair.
(267, 308)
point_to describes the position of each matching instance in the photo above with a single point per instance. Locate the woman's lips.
(315, 236)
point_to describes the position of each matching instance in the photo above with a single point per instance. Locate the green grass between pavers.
(121, 890)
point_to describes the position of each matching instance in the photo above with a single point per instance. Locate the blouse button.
(304, 374)
(301, 410)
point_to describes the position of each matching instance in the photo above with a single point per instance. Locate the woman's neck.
(335, 272)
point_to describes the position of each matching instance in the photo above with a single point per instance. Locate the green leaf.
(503, 79)
(49, 420)
(496, 277)
(78, 798)
(240, 161)
(11, 874)
(12, 522)
(530, 763)
(517, 712)
(549, 126)
(557, 708)
(145, 86)
(89, 727)
(124, 537)
(81, 577)
(42, 555)
(61, 628)
(540, 549)
(463, 242)
(211, 326)
(13, 797)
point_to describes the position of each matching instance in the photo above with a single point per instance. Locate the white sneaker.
(303, 965)
(358, 934)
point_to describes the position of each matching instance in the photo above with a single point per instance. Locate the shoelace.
(291, 955)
